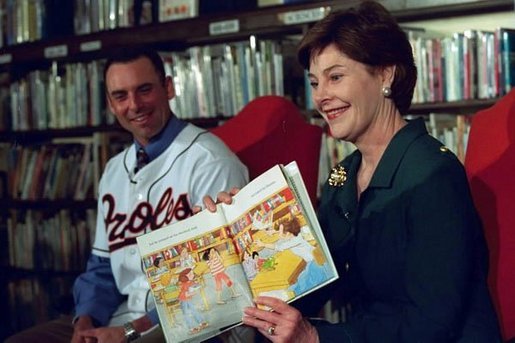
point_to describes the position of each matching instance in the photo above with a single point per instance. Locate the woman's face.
(346, 93)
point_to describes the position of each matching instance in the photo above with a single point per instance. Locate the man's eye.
(119, 97)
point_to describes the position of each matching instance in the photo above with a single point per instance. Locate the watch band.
(130, 332)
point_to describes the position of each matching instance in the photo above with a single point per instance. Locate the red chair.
(490, 165)
(271, 130)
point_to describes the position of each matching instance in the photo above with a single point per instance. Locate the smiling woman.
(401, 226)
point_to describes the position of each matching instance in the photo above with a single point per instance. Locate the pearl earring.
(387, 92)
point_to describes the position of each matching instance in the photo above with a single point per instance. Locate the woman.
(397, 212)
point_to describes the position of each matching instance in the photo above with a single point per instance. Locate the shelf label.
(225, 26)
(91, 45)
(304, 16)
(6, 58)
(56, 51)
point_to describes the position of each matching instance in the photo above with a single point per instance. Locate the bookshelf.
(269, 23)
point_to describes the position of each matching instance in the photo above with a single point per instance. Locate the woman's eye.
(336, 77)
(313, 84)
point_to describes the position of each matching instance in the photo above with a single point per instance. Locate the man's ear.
(109, 104)
(170, 89)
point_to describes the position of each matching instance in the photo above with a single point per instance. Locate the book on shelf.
(205, 269)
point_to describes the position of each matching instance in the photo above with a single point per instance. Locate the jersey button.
(132, 251)
(140, 196)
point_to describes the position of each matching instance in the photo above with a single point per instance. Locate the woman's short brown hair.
(370, 35)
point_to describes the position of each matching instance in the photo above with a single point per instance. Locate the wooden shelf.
(35, 136)
(22, 273)
(453, 107)
(453, 10)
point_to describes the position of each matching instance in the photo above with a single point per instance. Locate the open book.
(205, 269)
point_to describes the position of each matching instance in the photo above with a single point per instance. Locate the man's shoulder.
(117, 160)
(203, 142)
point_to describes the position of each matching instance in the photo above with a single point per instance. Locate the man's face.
(138, 98)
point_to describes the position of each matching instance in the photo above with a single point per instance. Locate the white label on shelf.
(303, 16)
(56, 51)
(91, 45)
(6, 58)
(225, 26)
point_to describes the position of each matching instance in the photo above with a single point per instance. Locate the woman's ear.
(388, 74)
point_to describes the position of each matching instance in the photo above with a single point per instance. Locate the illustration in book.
(205, 269)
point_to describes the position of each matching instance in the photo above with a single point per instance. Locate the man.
(167, 170)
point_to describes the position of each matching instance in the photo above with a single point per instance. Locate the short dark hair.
(368, 34)
(132, 53)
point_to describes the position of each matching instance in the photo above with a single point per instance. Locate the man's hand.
(83, 323)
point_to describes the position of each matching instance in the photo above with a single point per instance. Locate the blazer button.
(347, 266)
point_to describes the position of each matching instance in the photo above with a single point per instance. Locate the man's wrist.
(130, 332)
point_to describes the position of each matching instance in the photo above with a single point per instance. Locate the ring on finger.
(271, 330)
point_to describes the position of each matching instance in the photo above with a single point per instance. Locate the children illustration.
(186, 260)
(262, 220)
(194, 319)
(160, 265)
(217, 269)
(291, 239)
(250, 265)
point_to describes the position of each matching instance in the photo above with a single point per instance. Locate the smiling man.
(183, 163)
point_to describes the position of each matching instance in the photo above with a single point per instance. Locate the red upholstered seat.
(490, 165)
(271, 130)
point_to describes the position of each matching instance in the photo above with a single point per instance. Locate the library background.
(56, 134)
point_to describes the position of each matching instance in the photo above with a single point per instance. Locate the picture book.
(204, 270)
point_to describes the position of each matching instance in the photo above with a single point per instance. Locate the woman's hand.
(281, 323)
(210, 204)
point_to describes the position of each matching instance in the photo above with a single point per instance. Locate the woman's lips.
(335, 113)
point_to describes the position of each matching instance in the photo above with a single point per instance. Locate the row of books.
(220, 79)
(31, 20)
(467, 65)
(209, 81)
(71, 95)
(473, 64)
(52, 171)
(44, 241)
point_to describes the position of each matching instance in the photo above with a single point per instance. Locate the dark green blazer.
(411, 253)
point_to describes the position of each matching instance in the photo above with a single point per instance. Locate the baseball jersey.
(196, 164)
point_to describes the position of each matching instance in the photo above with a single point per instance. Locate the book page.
(195, 276)
(281, 248)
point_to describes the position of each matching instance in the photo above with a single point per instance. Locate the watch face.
(130, 333)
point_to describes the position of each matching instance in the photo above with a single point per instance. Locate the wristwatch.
(130, 332)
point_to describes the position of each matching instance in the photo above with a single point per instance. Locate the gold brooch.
(338, 176)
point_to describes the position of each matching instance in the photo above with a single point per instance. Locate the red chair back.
(490, 165)
(271, 130)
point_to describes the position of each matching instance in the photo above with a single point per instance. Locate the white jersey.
(196, 164)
